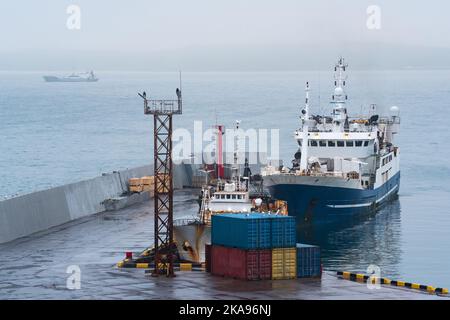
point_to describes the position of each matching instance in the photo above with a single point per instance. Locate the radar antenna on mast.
(340, 81)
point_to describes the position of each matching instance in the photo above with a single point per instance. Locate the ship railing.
(336, 174)
(389, 120)
(186, 221)
(162, 106)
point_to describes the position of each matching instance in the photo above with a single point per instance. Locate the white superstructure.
(339, 151)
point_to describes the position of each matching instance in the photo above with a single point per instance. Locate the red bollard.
(129, 255)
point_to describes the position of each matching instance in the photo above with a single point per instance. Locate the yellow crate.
(148, 180)
(185, 266)
(136, 188)
(284, 263)
(147, 187)
(135, 181)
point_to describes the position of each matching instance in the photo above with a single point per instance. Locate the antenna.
(320, 106)
(304, 149)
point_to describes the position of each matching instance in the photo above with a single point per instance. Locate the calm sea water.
(56, 133)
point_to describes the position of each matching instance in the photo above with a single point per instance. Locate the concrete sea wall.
(37, 211)
(30, 213)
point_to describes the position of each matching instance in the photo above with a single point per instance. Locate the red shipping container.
(241, 264)
(208, 257)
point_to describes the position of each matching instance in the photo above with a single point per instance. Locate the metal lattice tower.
(162, 111)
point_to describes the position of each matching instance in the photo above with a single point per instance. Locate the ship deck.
(35, 267)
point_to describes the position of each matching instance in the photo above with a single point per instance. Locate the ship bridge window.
(340, 143)
(349, 143)
(313, 143)
(322, 143)
(366, 143)
(233, 197)
(228, 196)
(358, 143)
(331, 143)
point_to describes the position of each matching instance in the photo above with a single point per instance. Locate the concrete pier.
(34, 212)
(34, 267)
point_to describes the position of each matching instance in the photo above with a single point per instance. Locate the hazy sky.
(33, 32)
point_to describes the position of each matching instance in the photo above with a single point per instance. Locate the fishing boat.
(344, 166)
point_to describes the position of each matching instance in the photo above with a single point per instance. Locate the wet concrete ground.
(35, 267)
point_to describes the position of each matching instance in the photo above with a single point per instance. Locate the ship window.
(222, 196)
(233, 196)
(239, 196)
(362, 183)
(228, 196)
(313, 143)
(358, 143)
(322, 143)
(349, 143)
(367, 183)
(331, 143)
(366, 143)
(340, 143)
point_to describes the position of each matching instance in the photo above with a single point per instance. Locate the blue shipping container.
(283, 231)
(253, 231)
(241, 230)
(308, 261)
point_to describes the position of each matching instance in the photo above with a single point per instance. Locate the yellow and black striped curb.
(177, 266)
(364, 278)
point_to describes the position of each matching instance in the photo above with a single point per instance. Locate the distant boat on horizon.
(74, 77)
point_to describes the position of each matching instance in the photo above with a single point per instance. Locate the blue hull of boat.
(318, 204)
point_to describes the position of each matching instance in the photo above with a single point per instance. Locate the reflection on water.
(355, 245)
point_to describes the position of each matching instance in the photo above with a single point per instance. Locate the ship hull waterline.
(318, 204)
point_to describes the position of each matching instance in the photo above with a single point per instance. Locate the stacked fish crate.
(144, 184)
(135, 185)
(253, 246)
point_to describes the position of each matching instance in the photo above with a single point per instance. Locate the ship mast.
(305, 113)
(339, 96)
(235, 175)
